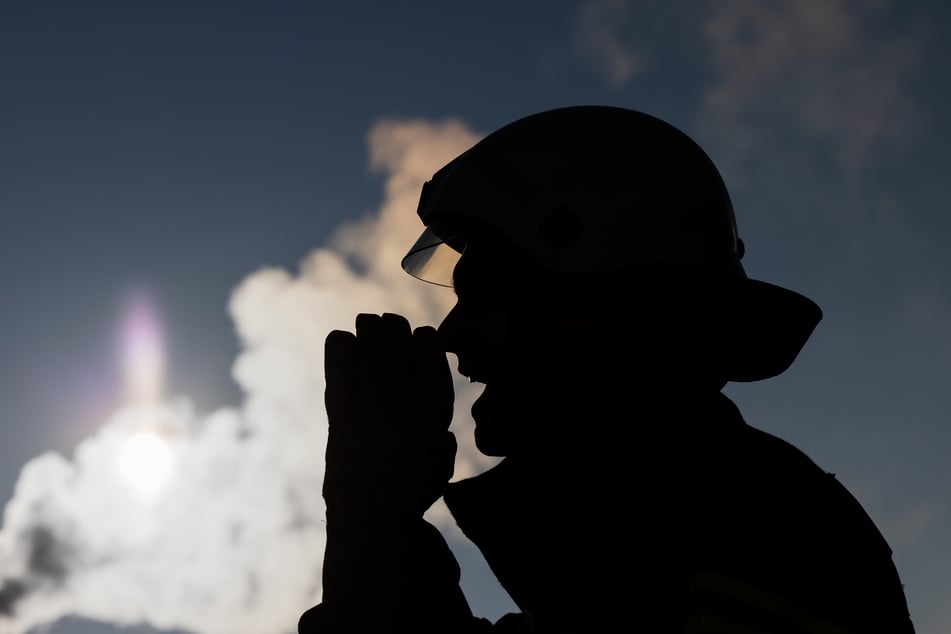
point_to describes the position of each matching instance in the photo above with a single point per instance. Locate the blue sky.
(251, 168)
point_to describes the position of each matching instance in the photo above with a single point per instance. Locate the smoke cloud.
(833, 70)
(232, 541)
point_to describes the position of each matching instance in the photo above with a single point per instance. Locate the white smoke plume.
(230, 538)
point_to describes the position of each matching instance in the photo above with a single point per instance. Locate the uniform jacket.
(687, 520)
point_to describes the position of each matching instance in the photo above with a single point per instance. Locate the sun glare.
(145, 460)
(143, 351)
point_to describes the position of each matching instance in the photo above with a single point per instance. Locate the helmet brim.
(768, 326)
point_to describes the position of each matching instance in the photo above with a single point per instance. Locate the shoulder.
(803, 493)
(787, 526)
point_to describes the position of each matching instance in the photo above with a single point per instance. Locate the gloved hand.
(389, 398)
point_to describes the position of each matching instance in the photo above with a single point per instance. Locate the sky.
(193, 194)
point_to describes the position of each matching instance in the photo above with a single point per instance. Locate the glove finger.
(432, 378)
(341, 374)
(394, 346)
(340, 358)
(382, 342)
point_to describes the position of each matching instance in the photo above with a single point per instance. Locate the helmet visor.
(432, 259)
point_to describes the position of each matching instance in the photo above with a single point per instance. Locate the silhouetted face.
(549, 349)
(501, 331)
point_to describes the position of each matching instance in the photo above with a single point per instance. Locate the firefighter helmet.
(595, 189)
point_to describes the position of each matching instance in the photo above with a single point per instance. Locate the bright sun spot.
(145, 461)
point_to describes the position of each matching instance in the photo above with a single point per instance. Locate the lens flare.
(142, 351)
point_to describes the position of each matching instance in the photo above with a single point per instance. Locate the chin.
(493, 430)
(491, 446)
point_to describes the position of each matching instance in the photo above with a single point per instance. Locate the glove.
(389, 399)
